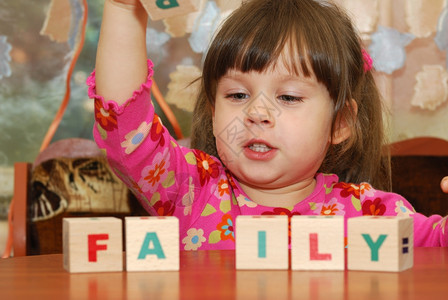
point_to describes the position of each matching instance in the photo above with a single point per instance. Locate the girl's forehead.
(290, 57)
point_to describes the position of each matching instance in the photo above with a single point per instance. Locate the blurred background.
(39, 40)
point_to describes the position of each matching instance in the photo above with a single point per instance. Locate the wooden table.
(212, 275)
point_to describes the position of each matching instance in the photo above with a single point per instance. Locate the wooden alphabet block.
(261, 242)
(92, 244)
(317, 243)
(152, 243)
(380, 243)
(161, 9)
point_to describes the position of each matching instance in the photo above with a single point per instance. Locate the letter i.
(262, 244)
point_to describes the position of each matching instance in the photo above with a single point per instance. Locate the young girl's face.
(272, 128)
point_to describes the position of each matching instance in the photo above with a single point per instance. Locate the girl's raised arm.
(121, 56)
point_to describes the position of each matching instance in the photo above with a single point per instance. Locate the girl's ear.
(343, 129)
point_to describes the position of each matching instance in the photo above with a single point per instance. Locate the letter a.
(157, 250)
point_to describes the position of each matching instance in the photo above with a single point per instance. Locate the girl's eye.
(238, 96)
(290, 99)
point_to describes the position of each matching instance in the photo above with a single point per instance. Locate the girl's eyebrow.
(308, 81)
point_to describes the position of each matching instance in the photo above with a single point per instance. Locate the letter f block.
(317, 243)
(380, 243)
(261, 242)
(92, 244)
(152, 243)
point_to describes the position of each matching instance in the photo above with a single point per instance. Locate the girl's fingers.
(444, 184)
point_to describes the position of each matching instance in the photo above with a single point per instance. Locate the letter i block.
(380, 243)
(317, 243)
(161, 9)
(152, 243)
(92, 244)
(262, 242)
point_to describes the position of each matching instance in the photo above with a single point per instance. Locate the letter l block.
(92, 244)
(262, 242)
(152, 243)
(380, 243)
(317, 243)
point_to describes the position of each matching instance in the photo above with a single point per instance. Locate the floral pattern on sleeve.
(135, 137)
(357, 190)
(207, 167)
(194, 239)
(402, 210)
(332, 208)
(373, 208)
(107, 119)
(155, 173)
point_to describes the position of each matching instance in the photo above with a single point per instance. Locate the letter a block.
(160, 9)
(380, 243)
(92, 244)
(152, 243)
(317, 243)
(262, 242)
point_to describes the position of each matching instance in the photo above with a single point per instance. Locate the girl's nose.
(258, 112)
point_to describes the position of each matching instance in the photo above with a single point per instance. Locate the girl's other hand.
(444, 184)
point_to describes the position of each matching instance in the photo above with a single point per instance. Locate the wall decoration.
(388, 49)
(204, 27)
(431, 89)
(441, 38)
(422, 15)
(155, 42)
(57, 22)
(364, 13)
(183, 88)
(179, 26)
(5, 58)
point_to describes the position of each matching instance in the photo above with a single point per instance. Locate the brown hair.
(325, 44)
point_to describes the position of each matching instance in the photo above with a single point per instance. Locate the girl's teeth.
(259, 147)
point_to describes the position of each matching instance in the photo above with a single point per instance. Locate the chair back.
(418, 166)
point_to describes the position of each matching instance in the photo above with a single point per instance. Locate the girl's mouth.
(259, 147)
(259, 150)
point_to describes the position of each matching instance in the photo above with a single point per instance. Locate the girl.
(288, 106)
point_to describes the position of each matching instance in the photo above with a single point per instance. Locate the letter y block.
(380, 243)
(92, 244)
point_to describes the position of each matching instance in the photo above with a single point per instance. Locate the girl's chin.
(262, 181)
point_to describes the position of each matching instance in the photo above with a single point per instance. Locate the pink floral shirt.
(169, 179)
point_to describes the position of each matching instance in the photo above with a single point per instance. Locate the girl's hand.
(127, 2)
(444, 184)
